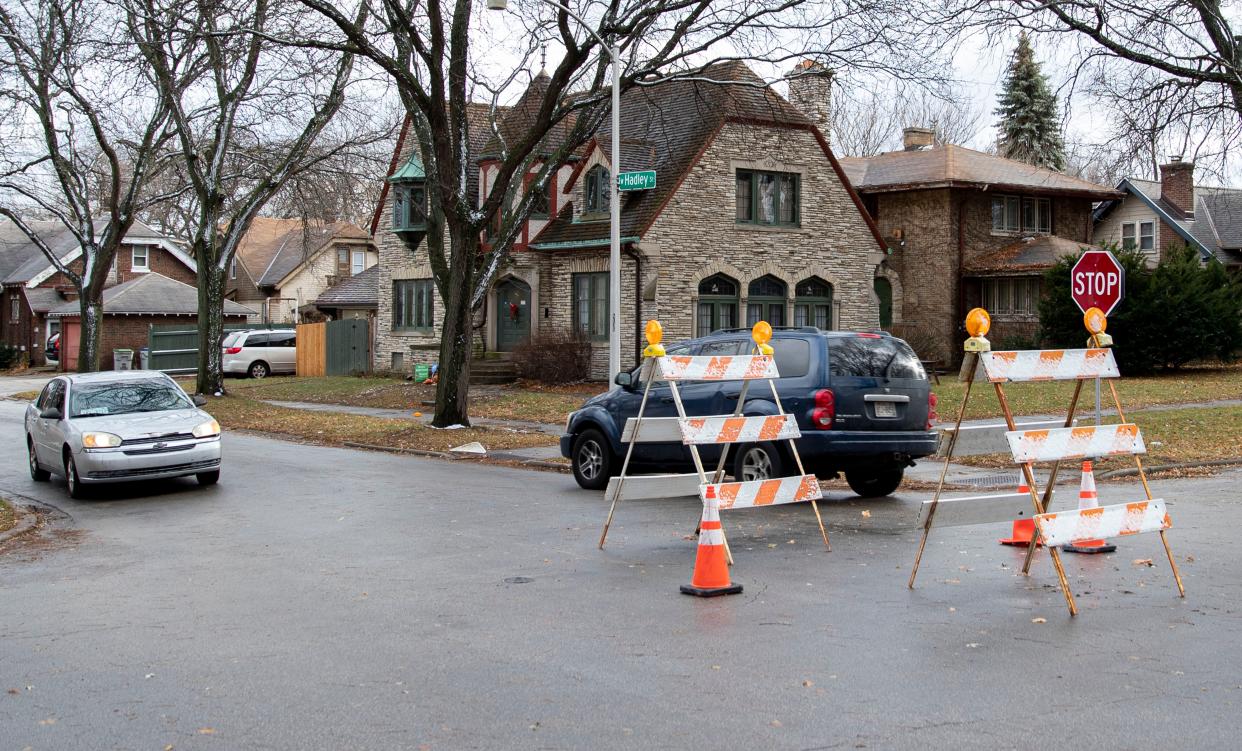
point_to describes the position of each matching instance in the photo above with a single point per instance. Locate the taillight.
(868, 335)
(931, 409)
(232, 350)
(825, 409)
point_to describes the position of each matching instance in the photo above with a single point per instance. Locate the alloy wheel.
(756, 465)
(590, 460)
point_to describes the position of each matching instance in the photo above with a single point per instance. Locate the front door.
(513, 312)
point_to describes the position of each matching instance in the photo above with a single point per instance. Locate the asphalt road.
(332, 599)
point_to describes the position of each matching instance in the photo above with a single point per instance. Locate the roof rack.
(808, 329)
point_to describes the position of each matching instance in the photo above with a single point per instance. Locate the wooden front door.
(513, 311)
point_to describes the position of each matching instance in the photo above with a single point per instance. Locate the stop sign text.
(1097, 281)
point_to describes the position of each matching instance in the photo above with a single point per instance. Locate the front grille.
(158, 439)
(190, 467)
(160, 450)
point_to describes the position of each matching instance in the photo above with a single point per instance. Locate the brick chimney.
(1177, 185)
(810, 90)
(914, 139)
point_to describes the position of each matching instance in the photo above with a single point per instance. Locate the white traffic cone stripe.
(1049, 365)
(711, 537)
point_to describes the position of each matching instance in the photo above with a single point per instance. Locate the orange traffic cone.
(1088, 499)
(1023, 529)
(711, 570)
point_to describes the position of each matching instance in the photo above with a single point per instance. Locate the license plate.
(885, 409)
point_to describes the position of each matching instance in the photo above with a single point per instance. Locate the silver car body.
(276, 349)
(154, 445)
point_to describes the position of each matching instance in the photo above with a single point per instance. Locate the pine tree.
(1029, 130)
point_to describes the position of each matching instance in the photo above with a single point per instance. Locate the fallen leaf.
(1190, 559)
(775, 723)
(715, 667)
(791, 542)
(1039, 620)
(206, 731)
(866, 514)
(808, 684)
(169, 747)
(973, 645)
(1143, 562)
(48, 721)
(14, 691)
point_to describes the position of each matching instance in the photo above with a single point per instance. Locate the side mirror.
(624, 380)
(199, 400)
(50, 413)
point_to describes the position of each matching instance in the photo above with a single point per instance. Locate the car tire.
(259, 369)
(37, 473)
(757, 461)
(77, 490)
(592, 460)
(875, 483)
(208, 478)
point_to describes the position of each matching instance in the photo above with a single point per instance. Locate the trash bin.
(421, 372)
(122, 359)
(144, 357)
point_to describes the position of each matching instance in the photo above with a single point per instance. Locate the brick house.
(33, 287)
(752, 218)
(964, 229)
(130, 309)
(283, 265)
(1151, 216)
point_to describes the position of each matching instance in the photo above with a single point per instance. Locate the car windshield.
(873, 357)
(125, 397)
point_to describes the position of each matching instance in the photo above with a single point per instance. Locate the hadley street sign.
(645, 180)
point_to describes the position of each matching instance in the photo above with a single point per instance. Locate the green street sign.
(644, 180)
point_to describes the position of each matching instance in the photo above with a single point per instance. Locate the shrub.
(554, 356)
(9, 356)
(922, 341)
(1180, 311)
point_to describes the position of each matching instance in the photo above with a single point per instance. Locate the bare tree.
(245, 132)
(93, 143)
(437, 54)
(868, 120)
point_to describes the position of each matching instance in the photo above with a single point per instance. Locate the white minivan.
(259, 354)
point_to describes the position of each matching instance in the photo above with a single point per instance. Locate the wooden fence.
(334, 348)
(312, 341)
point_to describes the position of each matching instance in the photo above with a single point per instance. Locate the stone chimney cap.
(810, 68)
(917, 138)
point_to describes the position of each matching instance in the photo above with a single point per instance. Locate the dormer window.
(409, 197)
(597, 189)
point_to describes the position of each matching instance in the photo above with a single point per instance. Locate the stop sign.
(1097, 281)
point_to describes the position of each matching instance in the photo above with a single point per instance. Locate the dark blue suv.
(862, 401)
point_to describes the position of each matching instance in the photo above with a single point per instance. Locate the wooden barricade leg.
(798, 460)
(698, 460)
(1052, 480)
(649, 368)
(969, 366)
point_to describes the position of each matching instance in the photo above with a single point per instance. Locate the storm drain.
(518, 580)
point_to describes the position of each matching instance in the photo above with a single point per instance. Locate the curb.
(398, 450)
(27, 521)
(482, 459)
(1132, 471)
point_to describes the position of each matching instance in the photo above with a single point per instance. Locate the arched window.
(884, 291)
(718, 303)
(597, 189)
(765, 301)
(813, 303)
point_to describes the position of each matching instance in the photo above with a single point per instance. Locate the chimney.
(810, 90)
(916, 139)
(1177, 185)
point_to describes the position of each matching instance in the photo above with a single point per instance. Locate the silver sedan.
(120, 426)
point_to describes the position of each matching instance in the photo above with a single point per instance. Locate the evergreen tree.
(1029, 131)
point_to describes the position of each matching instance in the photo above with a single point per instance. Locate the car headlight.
(207, 429)
(100, 440)
(569, 419)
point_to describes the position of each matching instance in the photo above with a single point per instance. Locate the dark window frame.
(596, 195)
(1021, 214)
(409, 214)
(595, 328)
(760, 305)
(751, 215)
(715, 304)
(808, 299)
(413, 305)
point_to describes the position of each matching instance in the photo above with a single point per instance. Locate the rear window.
(257, 340)
(232, 339)
(872, 357)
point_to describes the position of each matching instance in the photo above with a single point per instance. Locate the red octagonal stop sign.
(1097, 281)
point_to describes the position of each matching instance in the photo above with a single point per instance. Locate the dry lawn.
(8, 517)
(333, 429)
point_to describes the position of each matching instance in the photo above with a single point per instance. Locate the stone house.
(965, 229)
(1151, 216)
(752, 217)
(33, 287)
(283, 265)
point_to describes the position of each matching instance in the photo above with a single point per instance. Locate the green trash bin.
(422, 372)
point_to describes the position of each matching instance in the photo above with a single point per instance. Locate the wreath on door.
(514, 312)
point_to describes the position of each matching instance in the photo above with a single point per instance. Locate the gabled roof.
(957, 166)
(273, 248)
(1029, 255)
(1214, 230)
(515, 121)
(357, 291)
(150, 294)
(34, 266)
(666, 127)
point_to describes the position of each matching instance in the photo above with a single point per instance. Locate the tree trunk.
(453, 386)
(90, 339)
(210, 327)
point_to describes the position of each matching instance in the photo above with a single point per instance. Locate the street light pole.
(614, 195)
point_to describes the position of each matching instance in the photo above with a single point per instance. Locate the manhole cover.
(518, 580)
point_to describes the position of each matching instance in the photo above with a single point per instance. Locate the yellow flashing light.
(1095, 321)
(978, 322)
(655, 334)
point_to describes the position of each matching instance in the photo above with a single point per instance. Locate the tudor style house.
(1151, 216)
(282, 266)
(966, 229)
(751, 218)
(39, 300)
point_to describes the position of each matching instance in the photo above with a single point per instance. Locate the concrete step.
(491, 380)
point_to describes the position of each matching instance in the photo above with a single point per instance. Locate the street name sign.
(644, 180)
(1097, 281)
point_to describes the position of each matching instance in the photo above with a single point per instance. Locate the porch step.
(492, 372)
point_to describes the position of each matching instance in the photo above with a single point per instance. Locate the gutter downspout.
(960, 314)
(638, 301)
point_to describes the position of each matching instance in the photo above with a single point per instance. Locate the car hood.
(145, 424)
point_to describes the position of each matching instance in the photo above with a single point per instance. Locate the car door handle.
(667, 400)
(732, 397)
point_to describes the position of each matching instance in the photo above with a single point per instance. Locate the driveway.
(326, 598)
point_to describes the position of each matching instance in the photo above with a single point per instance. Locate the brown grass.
(8, 517)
